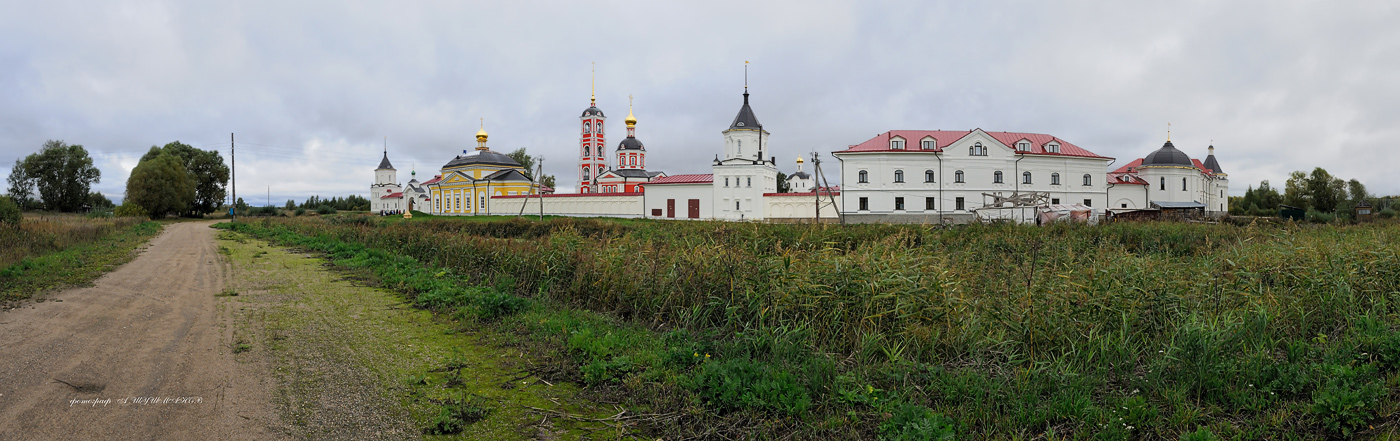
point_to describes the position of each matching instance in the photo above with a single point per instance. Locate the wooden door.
(693, 206)
(671, 208)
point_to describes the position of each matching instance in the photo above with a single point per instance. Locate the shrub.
(1348, 399)
(1387, 213)
(912, 422)
(130, 210)
(9, 211)
(325, 209)
(747, 384)
(300, 211)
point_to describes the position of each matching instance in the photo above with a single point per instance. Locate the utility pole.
(839, 215)
(540, 190)
(233, 159)
(818, 190)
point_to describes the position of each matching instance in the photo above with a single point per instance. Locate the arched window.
(1183, 183)
(863, 177)
(1164, 184)
(600, 170)
(1025, 177)
(958, 176)
(928, 175)
(739, 148)
(996, 177)
(1054, 179)
(899, 176)
(586, 151)
(1088, 180)
(977, 150)
(585, 174)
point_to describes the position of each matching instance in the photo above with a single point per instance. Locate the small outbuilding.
(1363, 210)
(1291, 213)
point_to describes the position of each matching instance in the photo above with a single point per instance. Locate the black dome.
(630, 143)
(482, 157)
(1168, 155)
(1213, 165)
(592, 111)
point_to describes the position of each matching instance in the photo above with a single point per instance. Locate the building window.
(899, 176)
(928, 203)
(896, 144)
(996, 177)
(585, 174)
(739, 148)
(1023, 146)
(958, 176)
(977, 150)
(1055, 201)
(1025, 177)
(1088, 202)
(750, 182)
(928, 175)
(863, 177)
(929, 144)
(1183, 183)
(899, 204)
(726, 182)
(736, 205)
(1054, 179)
(958, 204)
(864, 204)
(1164, 184)
(1124, 205)
(1052, 148)
(587, 128)
(586, 151)
(1088, 180)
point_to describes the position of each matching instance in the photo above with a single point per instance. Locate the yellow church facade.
(469, 180)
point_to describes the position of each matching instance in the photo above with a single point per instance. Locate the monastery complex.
(899, 176)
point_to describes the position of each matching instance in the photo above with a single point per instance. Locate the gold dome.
(481, 134)
(799, 159)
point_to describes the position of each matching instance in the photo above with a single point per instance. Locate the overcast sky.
(312, 88)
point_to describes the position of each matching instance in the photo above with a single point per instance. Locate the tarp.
(1067, 213)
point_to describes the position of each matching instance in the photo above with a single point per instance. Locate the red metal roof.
(1131, 165)
(568, 195)
(913, 142)
(434, 180)
(684, 179)
(392, 196)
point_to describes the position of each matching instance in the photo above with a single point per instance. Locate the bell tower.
(592, 159)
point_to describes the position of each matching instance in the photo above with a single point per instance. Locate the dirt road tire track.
(151, 328)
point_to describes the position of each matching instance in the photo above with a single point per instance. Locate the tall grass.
(1117, 331)
(45, 233)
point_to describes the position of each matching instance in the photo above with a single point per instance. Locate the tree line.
(1319, 193)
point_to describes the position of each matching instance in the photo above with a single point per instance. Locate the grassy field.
(1125, 331)
(52, 250)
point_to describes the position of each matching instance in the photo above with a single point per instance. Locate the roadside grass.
(1159, 331)
(330, 336)
(51, 251)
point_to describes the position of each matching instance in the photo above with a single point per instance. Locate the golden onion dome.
(631, 119)
(481, 134)
(799, 159)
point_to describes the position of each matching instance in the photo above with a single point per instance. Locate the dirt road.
(144, 354)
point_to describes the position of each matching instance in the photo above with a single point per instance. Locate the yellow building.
(468, 181)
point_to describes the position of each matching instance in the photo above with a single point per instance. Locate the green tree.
(97, 200)
(1357, 192)
(160, 185)
(9, 212)
(1325, 191)
(63, 174)
(21, 185)
(208, 170)
(527, 161)
(1295, 192)
(783, 186)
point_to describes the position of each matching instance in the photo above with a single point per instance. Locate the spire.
(1169, 132)
(593, 86)
(481, 136)
(631, 119)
